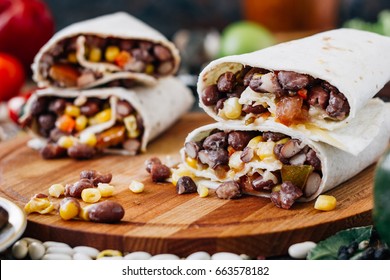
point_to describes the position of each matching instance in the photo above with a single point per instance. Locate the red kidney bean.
(338, 106)
(150, 162)
(192, 148)
(52, 150)
(318, 97)
(273, 136)
(81, 151)
(46, 121)
(228, 190)
(313, 160)
(210, 95)
(291, 148)
(215, 141)
(239, 139)
(214, 158)
(258, 109)
(105, 212)
(162, 53)
(290, 80)
(90, 108)
(259, 184)
(219, 105)
(256, 82)
(247, 154)
(57, 106)
(159, 172)
(39, 106)
(248, 76)
(142, 55)
(226, 82)
(287, 195)
(185, 184)
(123, 109)
(278, 154)
(74, 190)
(312, 184)
(96, 177)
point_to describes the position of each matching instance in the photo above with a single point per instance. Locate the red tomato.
(11, 76)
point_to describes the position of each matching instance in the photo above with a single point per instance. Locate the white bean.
(60, 250)
(90, 251)
(110, 258)
(300, 250)
(30, 240)
(36, 250)
(199, 256)
(56, 257)
(81, 256)
(225, 256)
(55, 244)
(165, 257)
(139, 255)
(20, 249)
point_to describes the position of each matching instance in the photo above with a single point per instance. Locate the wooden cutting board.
(160, 221)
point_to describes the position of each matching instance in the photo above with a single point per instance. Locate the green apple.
(243, 37)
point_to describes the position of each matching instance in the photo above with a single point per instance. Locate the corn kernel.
(72, 111)
(131, 126)
(106, 190)
(88, 138)
(56, 190)
(235, 161)
(95, 55)
(91, 195)
(101, 117)
(180, 172)
(325, 203)
(109, 253)
(203, 191)
(192, 162)
(69, 208)
(283, 141)
(136, 187)
(265, 150)
(111, 53)
(254, 141)
(81, 122)
(72, 57)
(41, 205)
(149, 69)
(65, 142)
(232, 108)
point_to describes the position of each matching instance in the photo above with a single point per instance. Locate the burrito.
(111, 50)
(317, 83)
(273, 161)
(81, 124)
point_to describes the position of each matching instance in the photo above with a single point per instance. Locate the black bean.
(81, 151)
(273, 136)
(192, 148)
(126, 45)
(215, 141)
(57, 106)
(90, 108)
(96, 177)
(257, 109)
(105, 212)
(256, 82)
(247, 154)
(39, 106)
(228, 190)
(162, 53)
(55, 134)
(318, 97)
(248, 76)
(142, 55)
(46, 121)
(150, 162)
(214, 158)
(219, 105)
(313, 160)
(210, 95)
(259, 184)
(382, 253)
(338, 106)
(343, 256)
(287, 195)
(368, 254)
(123, 109)
(95, 42)
(239, 139)
(226, 82)
(278, 154)
(236, 92)
(291, 148)
(51, 151)
(159, 172)
(185, 184)
(290, 80)
(74, 190)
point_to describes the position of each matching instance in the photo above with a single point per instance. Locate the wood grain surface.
(160, 221)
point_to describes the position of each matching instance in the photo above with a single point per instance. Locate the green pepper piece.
(296, 174)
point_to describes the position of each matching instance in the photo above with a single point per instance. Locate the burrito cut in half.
(81, 124)
(273, 161)
(319, 82)
(111, 50)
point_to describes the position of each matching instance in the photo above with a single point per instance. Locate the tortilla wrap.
(336, 166)
(118, 25)
(355, 62)
(158, 106)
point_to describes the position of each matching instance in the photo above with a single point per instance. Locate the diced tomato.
(66, 123)
(302, 93)
(231, 150)
(122, 58)
(289, 110)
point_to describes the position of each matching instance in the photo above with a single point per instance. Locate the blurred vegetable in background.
(11, 76)
(243, 37)
(382, 26)
(25, 25)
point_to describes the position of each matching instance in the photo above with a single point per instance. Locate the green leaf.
(328, 248)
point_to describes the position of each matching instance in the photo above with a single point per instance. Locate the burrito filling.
(81, 60)
(261, 163)
(82, 127)
(289, 97)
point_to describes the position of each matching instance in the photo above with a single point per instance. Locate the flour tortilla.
(356, 62)
(159, 106)
(119, 25)
(337, 166)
